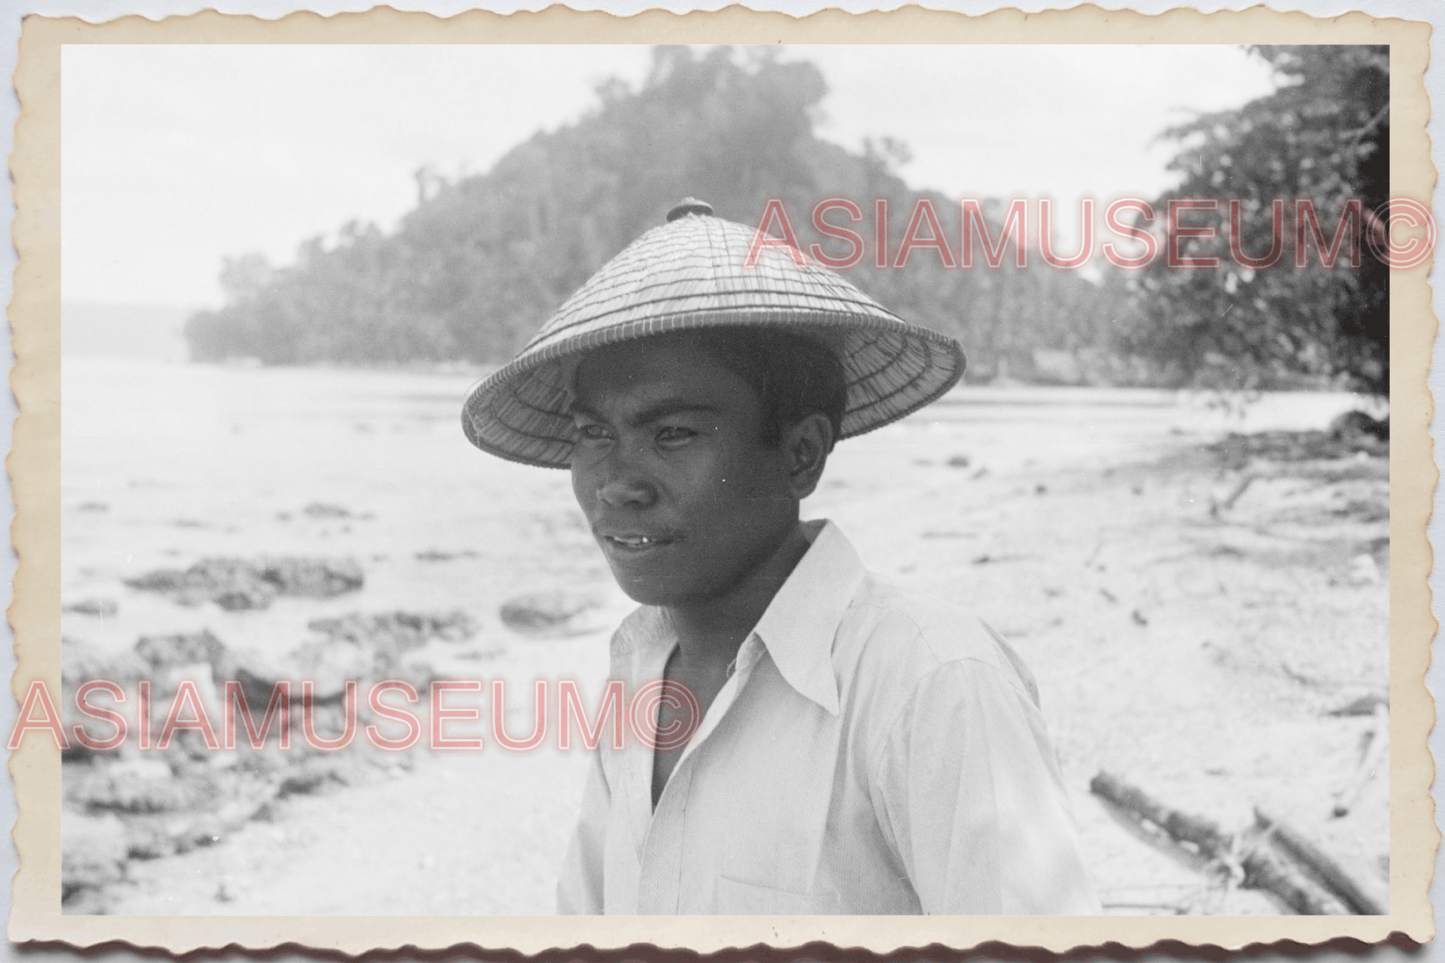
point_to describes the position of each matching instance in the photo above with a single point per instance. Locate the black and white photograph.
(722, 479)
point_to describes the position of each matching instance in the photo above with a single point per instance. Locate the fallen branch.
(1261, 868)
(1320, 866)
(1203, 836)
(1215, 507)
(1375, 743)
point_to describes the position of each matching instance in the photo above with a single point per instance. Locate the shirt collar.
(799, 624)
(797, 628)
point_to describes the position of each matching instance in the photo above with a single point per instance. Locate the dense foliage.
(480, 263)
(477, 266)
(1323, 136)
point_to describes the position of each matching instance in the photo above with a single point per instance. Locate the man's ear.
(806, 443)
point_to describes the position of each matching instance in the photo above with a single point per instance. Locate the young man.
(854, 747)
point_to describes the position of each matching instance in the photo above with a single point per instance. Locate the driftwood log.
(1359, 896)
(1263, 868)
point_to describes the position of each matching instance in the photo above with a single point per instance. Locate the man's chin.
(648, 591)
(658, 588)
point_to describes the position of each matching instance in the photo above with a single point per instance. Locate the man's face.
(672, 473)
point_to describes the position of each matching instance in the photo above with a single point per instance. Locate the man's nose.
(623, 483)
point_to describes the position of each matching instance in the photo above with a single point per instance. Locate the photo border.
(34, 465)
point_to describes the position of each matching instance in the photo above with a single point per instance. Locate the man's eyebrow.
(654, 411)
(581, 409)
(671, 406)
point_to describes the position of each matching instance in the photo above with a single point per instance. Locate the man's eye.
(591, 432)
(674, 434)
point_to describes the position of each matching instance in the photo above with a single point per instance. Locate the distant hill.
(123, 331)
(481, 262)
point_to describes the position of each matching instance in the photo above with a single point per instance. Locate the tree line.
(478, 265)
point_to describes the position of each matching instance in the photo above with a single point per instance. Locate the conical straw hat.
(690, 273)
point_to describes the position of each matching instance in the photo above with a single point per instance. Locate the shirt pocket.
(736, 898)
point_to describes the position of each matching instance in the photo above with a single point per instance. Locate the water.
(165, 464)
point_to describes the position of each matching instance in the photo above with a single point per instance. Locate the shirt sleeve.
(969, 791)
(579, 891)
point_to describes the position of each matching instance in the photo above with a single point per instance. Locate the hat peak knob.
(688, 205)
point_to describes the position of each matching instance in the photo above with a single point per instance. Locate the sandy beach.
(1197, 612)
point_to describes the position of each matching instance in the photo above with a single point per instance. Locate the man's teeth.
(634, 541)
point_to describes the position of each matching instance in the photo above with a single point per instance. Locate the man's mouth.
(635, 542)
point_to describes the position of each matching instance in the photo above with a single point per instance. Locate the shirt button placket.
(662, 853)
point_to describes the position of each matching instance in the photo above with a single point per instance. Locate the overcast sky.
(174, 157)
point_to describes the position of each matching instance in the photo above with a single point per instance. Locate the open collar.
(797, 628)
(800, 623)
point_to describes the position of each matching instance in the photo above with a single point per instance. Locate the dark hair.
(794, 375)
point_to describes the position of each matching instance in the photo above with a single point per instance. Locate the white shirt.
(875, 751)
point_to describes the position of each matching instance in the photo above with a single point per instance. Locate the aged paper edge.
(34, 466)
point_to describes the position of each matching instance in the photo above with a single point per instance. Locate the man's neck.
(710, 632)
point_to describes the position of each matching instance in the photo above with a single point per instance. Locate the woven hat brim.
(893, 368)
